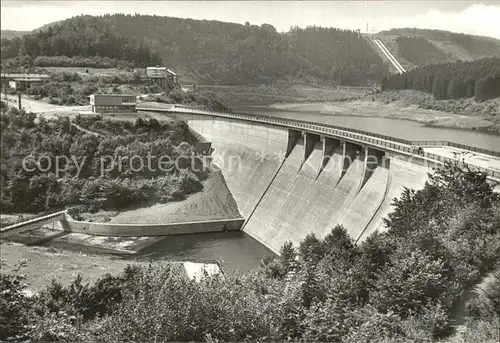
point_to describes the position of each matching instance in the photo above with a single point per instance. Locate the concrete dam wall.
(289, 183)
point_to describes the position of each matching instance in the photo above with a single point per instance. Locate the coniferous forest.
(454, 80)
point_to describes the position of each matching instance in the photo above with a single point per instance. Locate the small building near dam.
(162, 76)
(109, 103)
(22, 82)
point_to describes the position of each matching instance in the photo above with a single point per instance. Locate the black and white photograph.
(250, 171)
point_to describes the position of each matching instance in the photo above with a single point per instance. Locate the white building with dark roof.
(110, 103)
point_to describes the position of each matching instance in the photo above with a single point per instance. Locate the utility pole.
(19, 99)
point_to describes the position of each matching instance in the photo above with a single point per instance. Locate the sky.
(472, 17)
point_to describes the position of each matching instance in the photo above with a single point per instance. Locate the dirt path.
(43, 108)
(87, 131)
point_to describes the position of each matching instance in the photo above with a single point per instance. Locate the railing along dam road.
(373, 139)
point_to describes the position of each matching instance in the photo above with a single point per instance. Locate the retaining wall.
(140, 230)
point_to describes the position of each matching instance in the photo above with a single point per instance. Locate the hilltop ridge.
(9, 34)
(215, 52)
(418, 47)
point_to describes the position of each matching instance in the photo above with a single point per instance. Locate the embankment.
(214, 202)
(414, 106)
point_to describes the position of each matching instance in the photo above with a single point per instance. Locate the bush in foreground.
(402, 285)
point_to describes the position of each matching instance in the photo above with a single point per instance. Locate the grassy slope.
(214, 202)
(265, 95)
(453, 51)
(390, 42)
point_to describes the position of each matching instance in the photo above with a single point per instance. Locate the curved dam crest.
(289, 183)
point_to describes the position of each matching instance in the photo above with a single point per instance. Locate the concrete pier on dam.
(289, 183)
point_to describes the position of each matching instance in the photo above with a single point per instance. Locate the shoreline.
(110, 245)
(429, 118)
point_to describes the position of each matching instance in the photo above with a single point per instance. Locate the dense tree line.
(212, 51)
(477, 46)
(93, 163)
(233, 53)
(79, 37)
(419, 50)
(26, 64)
(402, 285)
(78, 61)
(453, 80)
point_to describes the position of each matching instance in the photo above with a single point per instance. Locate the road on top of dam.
(397, 128)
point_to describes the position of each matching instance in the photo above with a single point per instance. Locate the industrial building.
(22, 82)
(109, 103)
(163, 77)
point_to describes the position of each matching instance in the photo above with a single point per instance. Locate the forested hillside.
(211, 51)
(418, 47)
(477, 46)
(233, 53)
(78, 38)
(462, 79)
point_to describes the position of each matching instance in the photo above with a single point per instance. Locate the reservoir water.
(403, 129)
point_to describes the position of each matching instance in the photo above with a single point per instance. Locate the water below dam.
(235, 251)
(398, 128)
